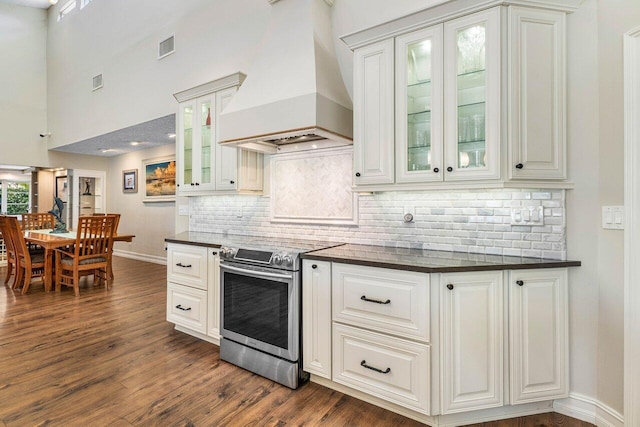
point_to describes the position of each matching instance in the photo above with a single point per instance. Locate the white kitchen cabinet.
(383, 300)
(316, 317)
(203, 166)
(193, 288)
(391, 368)
(472, 343)
(479, 100)
(538, 335)
(537, 131)
(373, 114)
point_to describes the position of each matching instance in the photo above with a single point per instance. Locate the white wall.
(119, 38)
(150, 222)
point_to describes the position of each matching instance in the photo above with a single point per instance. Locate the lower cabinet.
(193, 283)
(461, 342)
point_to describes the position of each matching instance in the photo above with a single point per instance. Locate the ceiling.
(42, 4)
(148, 135)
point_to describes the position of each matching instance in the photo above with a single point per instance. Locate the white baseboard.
(590, 410)
(140, 257)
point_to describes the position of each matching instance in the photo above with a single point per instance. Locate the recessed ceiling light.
(171, 135)
(53, 2)
(106, 150)
(134, 143)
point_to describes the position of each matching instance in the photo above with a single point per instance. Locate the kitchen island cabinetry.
(204, 166)
(193, 290)
(437, 340)
(479, 99)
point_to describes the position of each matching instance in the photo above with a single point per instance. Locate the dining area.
(37, 247)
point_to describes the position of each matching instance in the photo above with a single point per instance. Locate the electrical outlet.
(239, 211)
(183, 209)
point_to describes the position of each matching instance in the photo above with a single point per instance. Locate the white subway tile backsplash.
(471, 221)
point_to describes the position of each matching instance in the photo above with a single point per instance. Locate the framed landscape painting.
(159, 179)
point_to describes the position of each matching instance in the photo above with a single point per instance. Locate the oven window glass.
(257, 308)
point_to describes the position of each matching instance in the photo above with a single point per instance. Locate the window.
(83, 3)
(15, 197)
(66, 8)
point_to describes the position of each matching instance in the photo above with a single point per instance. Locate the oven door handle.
(256, 273)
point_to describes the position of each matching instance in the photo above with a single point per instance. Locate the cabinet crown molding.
(444, 11)
(231, 80)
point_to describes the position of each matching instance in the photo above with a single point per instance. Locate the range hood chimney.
(293, 97)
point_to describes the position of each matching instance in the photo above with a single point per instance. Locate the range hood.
(293, 97)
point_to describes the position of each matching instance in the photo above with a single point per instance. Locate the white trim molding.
(590, 410)
(632, 227)
(140, 257)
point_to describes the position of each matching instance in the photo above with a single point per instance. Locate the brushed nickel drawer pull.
(364, 365)
(364, 298)
(183, 265)
(180, 307)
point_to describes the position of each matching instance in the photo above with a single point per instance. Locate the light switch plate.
(613, 217)
(183, 209)
(532, 215)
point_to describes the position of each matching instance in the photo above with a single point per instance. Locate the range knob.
(277, 259)
(226, 253)
(288, 261)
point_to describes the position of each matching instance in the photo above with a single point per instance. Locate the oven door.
(260, 308)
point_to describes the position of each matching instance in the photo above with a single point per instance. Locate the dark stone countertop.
(210, 240)
(429, 261)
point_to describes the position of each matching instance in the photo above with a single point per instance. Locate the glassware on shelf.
(471, 49)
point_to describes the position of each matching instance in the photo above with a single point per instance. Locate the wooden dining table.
(50, 241)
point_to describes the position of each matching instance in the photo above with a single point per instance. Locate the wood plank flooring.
(109, 358)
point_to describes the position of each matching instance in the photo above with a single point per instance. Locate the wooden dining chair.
(89, 255)
(37, 221)
(28, 265)
(116, 222)
(9, 251)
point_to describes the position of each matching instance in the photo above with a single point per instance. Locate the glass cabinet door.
(472, 64)
(187, 153)
(419, 106)
(206, 142)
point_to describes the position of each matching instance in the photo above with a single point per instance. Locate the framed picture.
(62, 188)
(130, 181)
(159, 179)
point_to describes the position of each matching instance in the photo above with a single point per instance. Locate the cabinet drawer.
(389, 368)
(187, 265)
(389, 301)
(187, 307)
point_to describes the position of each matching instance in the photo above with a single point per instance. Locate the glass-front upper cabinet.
(472, 96)
(206, 141)
(186, 118)
(419, 89)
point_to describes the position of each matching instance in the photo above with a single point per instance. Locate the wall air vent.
(166, 47)
(97, 82)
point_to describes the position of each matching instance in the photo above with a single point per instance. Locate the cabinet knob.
(314, 266)
(449, 169)
(450, 286)
(357, 173)
(232, 182)
(192, 184)
(519, 166)
(436, 170)
(519, 282)
(197, 183)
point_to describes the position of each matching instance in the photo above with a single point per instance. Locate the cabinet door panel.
(472, 93)
(185, 152)
(316, 317)
(213, 295)
(472, 341)
(538, 322)
(537, 88)
(206, 154)
(226, 157)
(419, 106)
(187, 265)
(373, 114)
(186, 307)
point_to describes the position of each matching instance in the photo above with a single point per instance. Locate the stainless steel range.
(260, 290)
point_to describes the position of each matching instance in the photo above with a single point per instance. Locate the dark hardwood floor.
(109, 358)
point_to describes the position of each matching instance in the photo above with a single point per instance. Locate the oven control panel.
(280, 259)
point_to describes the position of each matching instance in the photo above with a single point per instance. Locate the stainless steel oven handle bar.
(256, 273)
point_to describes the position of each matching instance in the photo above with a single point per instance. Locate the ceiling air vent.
(166, 47)
(97, 82)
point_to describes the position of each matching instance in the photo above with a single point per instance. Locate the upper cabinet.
(203, 165)
(476, 100)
